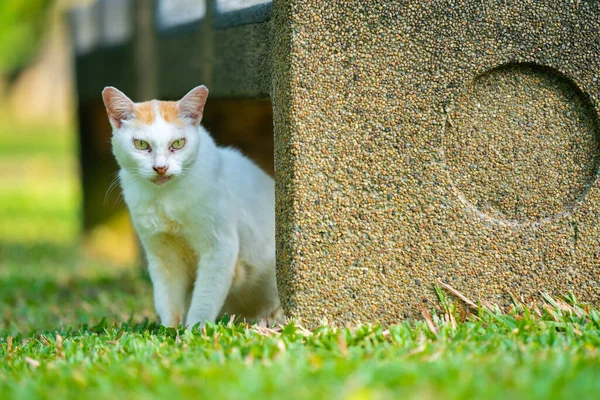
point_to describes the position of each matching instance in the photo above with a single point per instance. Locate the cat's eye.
(141, 144)
(178, 144)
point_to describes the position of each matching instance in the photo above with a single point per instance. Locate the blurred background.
(39, 193)
(46, 275)
(68, 253)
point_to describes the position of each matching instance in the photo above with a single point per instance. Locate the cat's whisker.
(119, 199)
(111, 187)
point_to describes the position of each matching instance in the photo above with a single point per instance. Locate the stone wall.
(423, 141)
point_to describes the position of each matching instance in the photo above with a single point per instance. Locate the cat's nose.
(161, 170)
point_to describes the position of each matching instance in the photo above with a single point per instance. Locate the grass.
(38, 185)
(75, 327)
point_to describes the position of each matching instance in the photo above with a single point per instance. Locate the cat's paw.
(172, 320)
(277, 317)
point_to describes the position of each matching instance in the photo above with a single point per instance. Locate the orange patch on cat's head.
(169, 111)
(145, 113)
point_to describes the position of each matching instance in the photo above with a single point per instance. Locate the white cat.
(205, 215)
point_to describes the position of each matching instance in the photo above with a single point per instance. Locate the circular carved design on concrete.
(522, 144)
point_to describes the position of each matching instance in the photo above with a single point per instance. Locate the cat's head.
(156, 140)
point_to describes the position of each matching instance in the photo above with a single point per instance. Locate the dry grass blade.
(266, 331)
(419, 349)
(9, 342)
(488, 305)
(457, 294)
(551, 312)
(32, 362)
(561, 305)
(550, 300)
(249, 360)
(231, 320)
(303, 330)
(59, 346)
(44, 340)
(281, 345)
(452, 320)
(343, 346)
(435, 356)
(428, 319)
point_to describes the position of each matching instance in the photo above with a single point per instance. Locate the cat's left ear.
(191, 106)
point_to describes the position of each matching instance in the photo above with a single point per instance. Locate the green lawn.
(76, 327)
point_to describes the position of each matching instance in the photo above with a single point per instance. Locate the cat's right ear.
(118, 106)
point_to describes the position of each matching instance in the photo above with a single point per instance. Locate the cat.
(205, 215)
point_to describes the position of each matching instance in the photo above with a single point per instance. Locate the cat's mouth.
(161, 179)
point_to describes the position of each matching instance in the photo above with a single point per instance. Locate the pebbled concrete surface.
(417, 141)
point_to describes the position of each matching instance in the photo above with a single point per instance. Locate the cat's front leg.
(213, 280)
(171, 282)
(170, 294)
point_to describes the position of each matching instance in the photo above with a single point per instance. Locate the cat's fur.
(209, 229)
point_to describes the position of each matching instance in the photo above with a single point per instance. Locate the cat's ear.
(191, 106)
(118, 106)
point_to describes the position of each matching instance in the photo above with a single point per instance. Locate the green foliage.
(38, 186)
(554, 355)
(22, 23)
